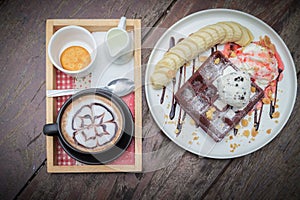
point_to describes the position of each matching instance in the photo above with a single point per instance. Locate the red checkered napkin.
(64, 81)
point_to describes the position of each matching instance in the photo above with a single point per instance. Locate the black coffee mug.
(105, 155)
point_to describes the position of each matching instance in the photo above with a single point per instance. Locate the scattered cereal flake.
(244, 122)
(269, 131)
(237, 126)
(176, 131)
(196, 138)
(253, 89)
(246, 133)
(272, 83)
(217, 61)
(250, 113)
(270, 93)
(194, 133)
(276, 114)
(230, 137)
(266, 100)
(254, 132)
(276, 121)
(202, 58)
(209, 113)
(190, 142)
(192, 122)
(232, 54)
(234, 146)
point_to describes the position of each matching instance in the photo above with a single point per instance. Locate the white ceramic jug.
(119, 43)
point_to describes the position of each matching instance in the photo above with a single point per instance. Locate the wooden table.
(270, 173)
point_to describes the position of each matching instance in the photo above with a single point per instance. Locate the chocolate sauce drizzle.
(182, 75)
(257, 119)
(194, 66)
(162, 98)
(174, 102)
(181, 119)
(273, 103)
(235, 131)
(171, 44)
(82, 127)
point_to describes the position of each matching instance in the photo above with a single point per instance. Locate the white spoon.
(120, 87)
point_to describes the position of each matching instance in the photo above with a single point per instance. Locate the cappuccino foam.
(91, 123)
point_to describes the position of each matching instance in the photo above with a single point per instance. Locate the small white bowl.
(72, 36)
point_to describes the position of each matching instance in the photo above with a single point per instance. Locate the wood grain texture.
(272, 171)
(22, 76)
(169, 171)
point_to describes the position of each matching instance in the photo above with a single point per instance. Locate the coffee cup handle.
(122, 23)
(51, 129)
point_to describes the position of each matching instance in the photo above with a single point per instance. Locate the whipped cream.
(258, 61)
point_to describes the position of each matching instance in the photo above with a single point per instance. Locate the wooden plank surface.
(22, 78)
(270, 173)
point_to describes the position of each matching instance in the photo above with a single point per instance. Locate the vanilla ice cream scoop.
(234, 88)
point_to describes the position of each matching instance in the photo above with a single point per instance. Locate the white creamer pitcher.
(119, 43)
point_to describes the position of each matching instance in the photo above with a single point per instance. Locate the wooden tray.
(95, 25)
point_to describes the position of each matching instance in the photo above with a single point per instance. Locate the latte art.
(94, 125)
(91, 123)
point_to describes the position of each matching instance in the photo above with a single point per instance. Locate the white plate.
(195, 139)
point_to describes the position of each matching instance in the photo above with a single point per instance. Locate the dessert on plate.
(228, 85)
(218, 95)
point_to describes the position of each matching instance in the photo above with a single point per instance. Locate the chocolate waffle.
(199, 98)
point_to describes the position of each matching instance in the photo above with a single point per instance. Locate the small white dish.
(72, 36)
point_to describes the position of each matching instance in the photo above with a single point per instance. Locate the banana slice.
(228, 32)
(246, 38)
(237, 32)
(250, 35)
(221, 32)
(196, 43)
(174, 57)
(189, 49)
(200, 41)
(209, 40)
(214, 34)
